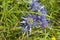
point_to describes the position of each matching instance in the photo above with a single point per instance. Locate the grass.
(12, 11)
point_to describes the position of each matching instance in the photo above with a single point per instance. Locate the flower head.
(31, 21)
(38, 7)
(34, 5)
(43, 21)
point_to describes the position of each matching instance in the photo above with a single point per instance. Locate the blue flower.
(43, 21)
(38, 7)
(34, 5)
(31, 20)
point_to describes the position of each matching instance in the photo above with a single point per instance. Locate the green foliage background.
(12, 11)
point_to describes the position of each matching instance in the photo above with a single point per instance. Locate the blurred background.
(12, 11)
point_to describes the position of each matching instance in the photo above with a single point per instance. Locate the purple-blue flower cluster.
(41, 9)
(31, 20)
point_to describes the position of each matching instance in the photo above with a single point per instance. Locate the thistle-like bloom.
(43, 21)
(41, 9)
(31, 21)
(34, 5)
